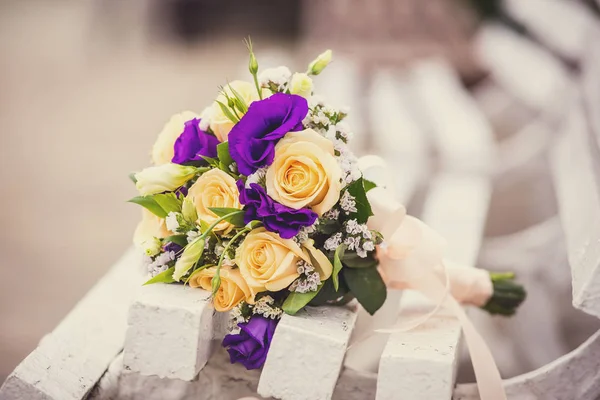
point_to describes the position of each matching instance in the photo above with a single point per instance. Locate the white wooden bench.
(575, 161)
(419, 364)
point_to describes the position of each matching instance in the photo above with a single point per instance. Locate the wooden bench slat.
(310, 346)
(576, 172)
(527, 71)
(170, 331)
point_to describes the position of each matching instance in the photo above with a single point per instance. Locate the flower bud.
(190, 256)
(319, 63)
(253, 64)
(163, 178)
(188, 209)
(152, 246)
(301, 84)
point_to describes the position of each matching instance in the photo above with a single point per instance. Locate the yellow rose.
(149, 228)
(214, 188)
(219, 123)
(163, 149)
(268, 262)
(305, 172)
(232, 291)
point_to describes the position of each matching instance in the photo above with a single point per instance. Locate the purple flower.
(170, 246)
(275, 217)
(250, 346)
(252, 140)
(193, 143)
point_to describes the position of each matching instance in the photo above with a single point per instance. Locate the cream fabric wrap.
(412, 257)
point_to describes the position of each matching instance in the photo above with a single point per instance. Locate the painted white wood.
(561, 25)
(321, 332)
(170, 331)
(524, 69)
(575, 376)
(576, 172)
(70, 360)
(463, 136)
(219, 380)
(421, 364)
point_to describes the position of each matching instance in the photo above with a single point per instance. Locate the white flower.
(301, 84)
(152, 246)
(191, 235)
(205, 118)
(333, 242)
(171, 221)
(257, 177)
(348, 203)
(334, 213)
(163, 178)
(278, 76)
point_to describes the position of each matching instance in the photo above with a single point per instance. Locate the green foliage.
(368, 185)
(168, 202)
(225, 159)
(149, 203)
(228, 113)
(337, 265)
(234, 216)
(368, 287)
(352, 260)
(239, 101)
(177, 239)
(163, 277)
(357, 190)
(296, 301)
(132, 177)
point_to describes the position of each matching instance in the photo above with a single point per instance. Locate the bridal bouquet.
(259, 201)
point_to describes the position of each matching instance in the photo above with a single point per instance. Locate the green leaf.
(240, 103)
(357, 190)
(329, 226)
(224, 156)
(352, 260)
(368, 287)
(168, 202)
(132, 177)
(236, 219)
(213, 162)
(177, 239)
(227, 112)
(296, 301)
(337, 265)
(368, 185)
(163, 277)
(149, 203)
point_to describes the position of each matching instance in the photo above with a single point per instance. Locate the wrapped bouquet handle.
(411, 257)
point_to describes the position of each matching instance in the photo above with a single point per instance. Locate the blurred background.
(86, 86)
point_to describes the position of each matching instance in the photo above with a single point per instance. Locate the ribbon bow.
(411, 257)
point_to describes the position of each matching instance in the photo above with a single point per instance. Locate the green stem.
(255, 77)
(217, 221)
(508, 295)
(225, 250)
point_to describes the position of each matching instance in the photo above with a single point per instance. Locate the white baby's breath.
(171, 221)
